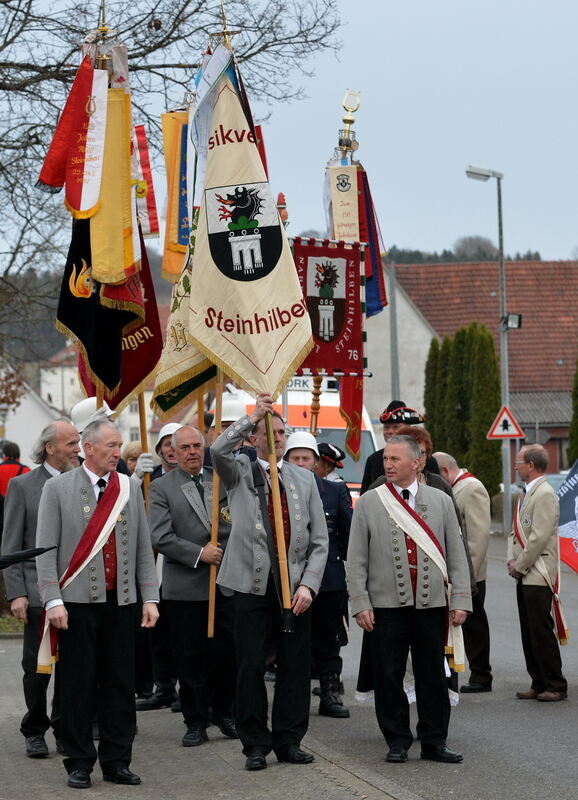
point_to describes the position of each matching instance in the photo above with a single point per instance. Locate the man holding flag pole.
(248, 317)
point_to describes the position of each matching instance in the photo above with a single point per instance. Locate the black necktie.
(101, 483)
(405, 494)
(199, 484)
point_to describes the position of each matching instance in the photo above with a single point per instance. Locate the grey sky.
(445, 84)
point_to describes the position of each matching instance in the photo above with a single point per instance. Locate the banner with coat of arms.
(247, 312)
(330, 277)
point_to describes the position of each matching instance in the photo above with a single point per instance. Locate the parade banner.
(175, 136)
(66, 160)
(568, 526)
(141, 350)
(145, 191)
(344, 202)
(95, 323)
(375, 297)
(247, 313)
(351, 409)
(329, 275)
(182, 369)
(90, 155)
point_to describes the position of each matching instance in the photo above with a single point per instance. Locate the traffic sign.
(505, 426)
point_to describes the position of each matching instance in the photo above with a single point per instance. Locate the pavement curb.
(389, 788)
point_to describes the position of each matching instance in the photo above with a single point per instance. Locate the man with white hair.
(94, 519)
(56, 451)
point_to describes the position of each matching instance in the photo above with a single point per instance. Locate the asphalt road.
(512, 749)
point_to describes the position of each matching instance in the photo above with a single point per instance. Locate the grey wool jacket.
(378, 573)
(246, 564)
(66, 506)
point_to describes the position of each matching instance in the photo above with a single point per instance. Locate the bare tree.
(39, 56)
(475, 248)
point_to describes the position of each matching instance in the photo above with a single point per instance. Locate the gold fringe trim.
(123, 305)
(82, 214)
(171, 277)
(173, 383)
(82, 349)
(177, 248)
(241, 380)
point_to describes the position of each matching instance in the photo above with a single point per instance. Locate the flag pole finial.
(225, 32)
(347, 142)
(103, 27)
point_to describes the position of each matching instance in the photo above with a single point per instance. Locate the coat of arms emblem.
(244, 230)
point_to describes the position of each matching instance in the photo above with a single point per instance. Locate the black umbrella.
(23, 555)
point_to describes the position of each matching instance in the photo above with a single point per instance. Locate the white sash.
(455, 639)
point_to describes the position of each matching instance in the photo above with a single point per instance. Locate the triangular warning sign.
(505, 426)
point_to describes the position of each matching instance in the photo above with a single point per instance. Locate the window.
(133, 408)
(134, 434)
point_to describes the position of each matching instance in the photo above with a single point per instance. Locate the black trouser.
(477, 639)
(539, 642)
(36, 722)
(206, 667)
(96, 663)
(257, 618)
(397, 630)
(326, 622)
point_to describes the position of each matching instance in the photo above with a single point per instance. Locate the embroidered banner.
(247, 313)
(330, 281)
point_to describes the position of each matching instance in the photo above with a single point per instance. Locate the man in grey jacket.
(94, 612)
(250, 569)
(180, 521)
(404, 541)
(56, 451)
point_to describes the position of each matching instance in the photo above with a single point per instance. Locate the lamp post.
(479, 174)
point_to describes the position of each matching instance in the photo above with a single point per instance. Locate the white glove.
(144, 464)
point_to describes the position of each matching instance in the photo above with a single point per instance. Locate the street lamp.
(479, 174)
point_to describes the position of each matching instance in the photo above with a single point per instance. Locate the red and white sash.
(560, 627)
(91, 542)
(462, 477)
(423, 536)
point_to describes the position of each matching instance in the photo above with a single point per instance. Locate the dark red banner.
(139, 352)
(330, 280)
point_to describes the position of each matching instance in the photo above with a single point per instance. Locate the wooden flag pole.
(144, 443)
(315, 402)
(215, 507)
(287, 623)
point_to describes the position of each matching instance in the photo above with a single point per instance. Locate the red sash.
(424, 526)
(84, 547)
(462, 476)
(560, 627)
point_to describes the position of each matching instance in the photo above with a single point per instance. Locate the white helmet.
(301, 439)
(86, 411)
(166, 430)
(233, 409)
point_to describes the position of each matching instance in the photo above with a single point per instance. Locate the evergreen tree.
(457, 398)
(572, 451)
(429, 392)
(483, 457)
(439, 435)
